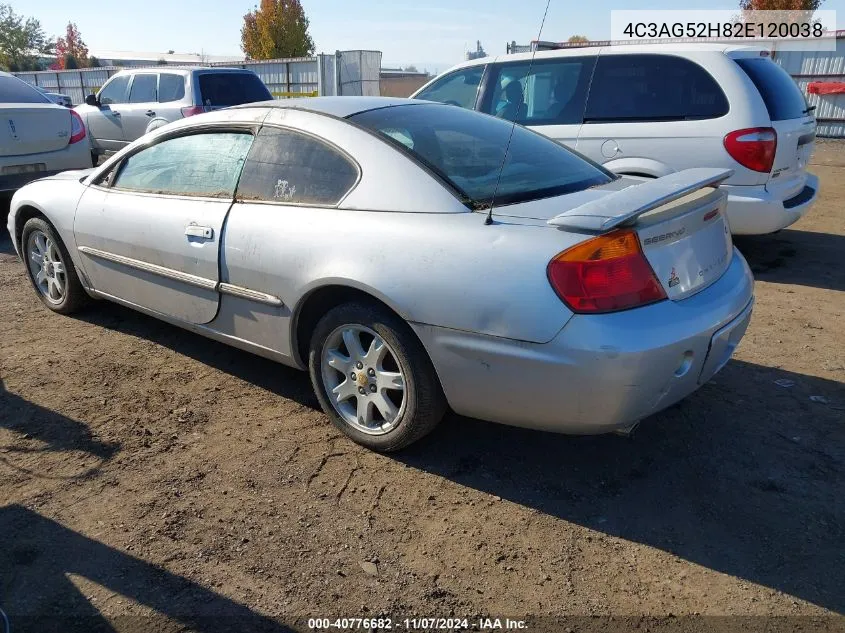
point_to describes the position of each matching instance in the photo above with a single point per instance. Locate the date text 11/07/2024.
(417, 624)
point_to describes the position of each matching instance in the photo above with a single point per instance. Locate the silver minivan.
(647, 110)
(139, 100)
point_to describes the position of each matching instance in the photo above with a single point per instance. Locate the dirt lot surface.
(151, 479)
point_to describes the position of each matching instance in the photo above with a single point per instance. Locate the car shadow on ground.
(796, 257)
(269, 375)
(745, 477)
(39, 555)
(49, 431)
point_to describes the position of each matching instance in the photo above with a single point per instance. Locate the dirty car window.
(291, 168)
(197, 165)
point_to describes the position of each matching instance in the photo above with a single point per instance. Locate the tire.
(73, 295)
(419, 405)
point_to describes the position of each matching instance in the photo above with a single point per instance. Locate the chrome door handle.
(150, 113)
(113, 113)
(195, 230)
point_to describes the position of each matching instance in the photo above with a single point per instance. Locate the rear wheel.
(373, 377)
(50, 268)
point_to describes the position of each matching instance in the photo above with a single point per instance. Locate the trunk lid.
(796, 141)
(33, 128)
(688, 242)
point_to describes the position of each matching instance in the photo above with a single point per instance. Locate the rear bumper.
(76, 156)
(601, 372)
(755, 211)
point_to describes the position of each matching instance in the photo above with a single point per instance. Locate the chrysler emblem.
(12, 129)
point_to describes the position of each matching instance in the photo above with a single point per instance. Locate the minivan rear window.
(632, 88)
(231, 89)
(780, 93)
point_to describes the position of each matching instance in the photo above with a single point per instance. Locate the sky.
(432, 34)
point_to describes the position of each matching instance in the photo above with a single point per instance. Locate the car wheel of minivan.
(373, 377)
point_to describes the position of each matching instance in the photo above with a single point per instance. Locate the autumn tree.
(578, 39)
(780, 5)
(71, 48)
(22, 41)
(277, 28)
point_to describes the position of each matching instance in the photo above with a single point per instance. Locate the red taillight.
(77, 128)
(605, 274)
(753, 147)
(192, 110)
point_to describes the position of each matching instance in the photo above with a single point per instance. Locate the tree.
(22, 41)
(578, 39)
(278, 28)
(69, 62)
(93, 62)
(161, 62)
(72, 47)
(411, 69)
(780, 5)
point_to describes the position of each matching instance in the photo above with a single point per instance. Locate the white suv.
(649, 110)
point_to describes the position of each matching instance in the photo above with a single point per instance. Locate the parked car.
(377, 243)
(649, 110)
(56, 97)
(137, 101)
(37, 137)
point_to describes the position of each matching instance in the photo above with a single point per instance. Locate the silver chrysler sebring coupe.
(412, 256)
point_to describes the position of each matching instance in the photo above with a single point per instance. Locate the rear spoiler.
(627, 204)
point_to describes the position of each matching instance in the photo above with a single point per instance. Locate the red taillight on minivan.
(192, 110)
(77, 128)
(605, 274)
(753, 147)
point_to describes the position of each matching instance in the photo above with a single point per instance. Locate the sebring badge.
(674, 280)
(12, 129)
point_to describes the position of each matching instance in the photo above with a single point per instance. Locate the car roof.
(182, 70)
(621, 49)
(341, 107)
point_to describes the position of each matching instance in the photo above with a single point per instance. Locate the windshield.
(466, 149)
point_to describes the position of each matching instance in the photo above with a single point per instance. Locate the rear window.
(14, 90)
(230, 89)
(781, 95)
(170, 87)
(467, 150)
(652, 88)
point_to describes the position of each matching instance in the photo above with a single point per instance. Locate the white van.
(649, 110)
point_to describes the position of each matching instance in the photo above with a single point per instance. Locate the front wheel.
(50, 268)
(373, 378)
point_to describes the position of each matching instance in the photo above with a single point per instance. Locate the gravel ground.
(151, 479)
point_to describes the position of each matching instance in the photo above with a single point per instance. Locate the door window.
(292, 168)
(553, 94)
(653, 88)
(143, 89)
(170, 87)
(114, 91)
(459, 88)
(205, 164)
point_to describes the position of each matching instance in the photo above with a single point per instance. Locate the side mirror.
(92, 100)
